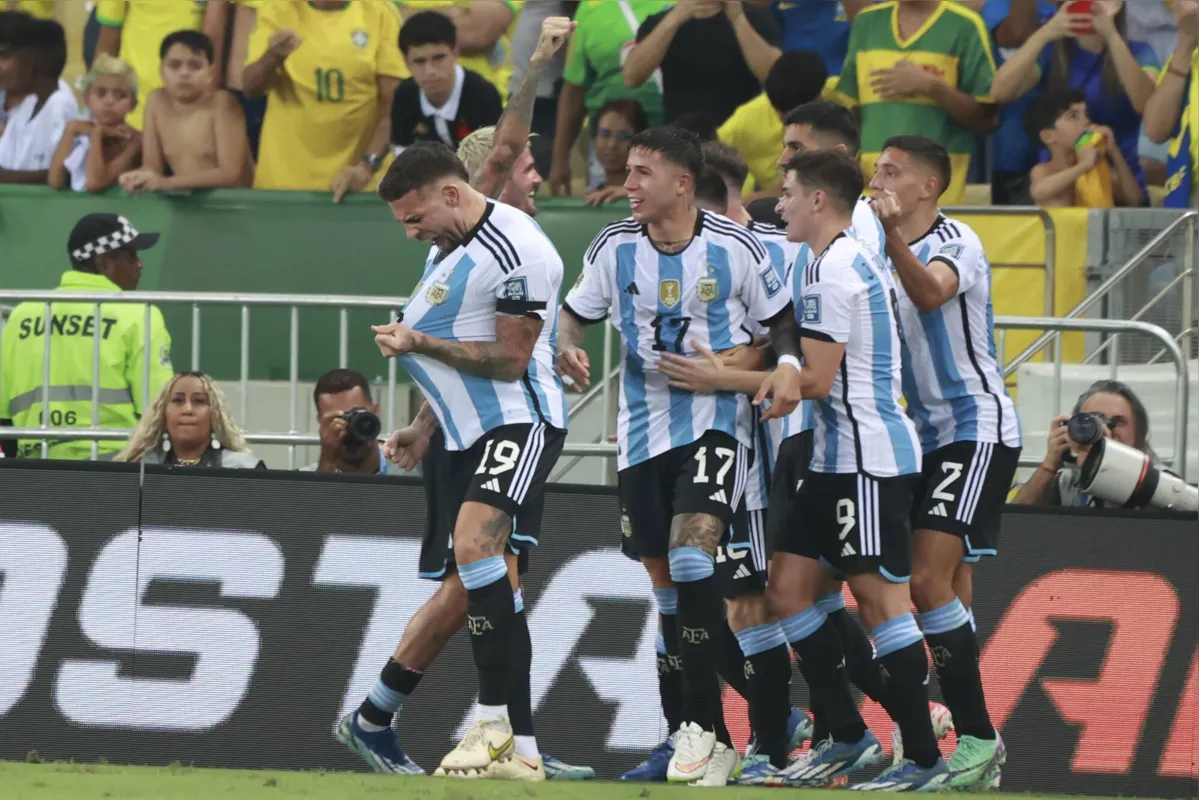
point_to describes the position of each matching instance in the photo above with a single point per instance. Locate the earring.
(216, 443)
(166, 442)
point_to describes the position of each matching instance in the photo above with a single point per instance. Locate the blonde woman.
(94, 152)
(189, 425)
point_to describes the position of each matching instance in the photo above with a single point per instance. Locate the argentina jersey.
(506, 265)
(951, 378)
(849, 297)
(711, 293)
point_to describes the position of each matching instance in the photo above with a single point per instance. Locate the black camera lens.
(1085, 429)
(361, 425)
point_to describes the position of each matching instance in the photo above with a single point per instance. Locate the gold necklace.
(187, 462)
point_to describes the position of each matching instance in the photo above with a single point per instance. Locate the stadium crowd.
(1073, 103)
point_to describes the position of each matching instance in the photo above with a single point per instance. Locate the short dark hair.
(928, 152)
(711, 189)
(1047, 108)
(45, 42)
(427, 27)
(765, 209)
(676, 145)
(12, 27)
(629, 109)
(727, 162)
(695, 123)
(195, 41)
(827, 118)
(836, 173)
(797, 77)
(336, 381)
(420, 164)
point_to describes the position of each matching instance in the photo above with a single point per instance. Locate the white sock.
(526, 747)
(488, 713)
(370, 727)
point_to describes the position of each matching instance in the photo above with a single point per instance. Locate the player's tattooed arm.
(425, 420)
(505, 359)
(572, 360)
(512, 131)
(701, 531)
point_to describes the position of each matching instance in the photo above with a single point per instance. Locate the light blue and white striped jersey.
(951, 378)
(771, 434)
(849, 297)
(506, 266)
(710, 292)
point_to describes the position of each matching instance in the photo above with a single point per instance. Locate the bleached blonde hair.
(104, 66)
(473, 150)
(147, 436)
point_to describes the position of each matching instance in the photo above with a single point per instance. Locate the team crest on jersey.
(771, 282)
(668, 292)
(811, 309)
(707, 289)
(953, 251)
(359, 37)
(439, 292)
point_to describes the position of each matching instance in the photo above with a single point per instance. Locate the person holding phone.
(1089, 51)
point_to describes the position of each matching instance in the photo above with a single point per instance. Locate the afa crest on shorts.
(669, 292)
(707, 289)
(360, 38)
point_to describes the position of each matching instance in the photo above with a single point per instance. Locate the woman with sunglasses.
(615, 126)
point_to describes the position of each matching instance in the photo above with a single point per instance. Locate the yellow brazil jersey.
(42, 9)
(756, 131)
(496, 65)
(323, 109)
(144, 24)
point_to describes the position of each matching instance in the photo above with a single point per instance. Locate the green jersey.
(607, 31)
(953, 44)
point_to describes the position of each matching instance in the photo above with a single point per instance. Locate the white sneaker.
(942, 724)
(517, 768)
(723, 767)
(692, 751)
(484, 744)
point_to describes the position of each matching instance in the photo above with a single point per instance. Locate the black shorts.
(507, 468)
(853, 523)
(962, 491)
(741, 562)
(707, 476)
(790, 468)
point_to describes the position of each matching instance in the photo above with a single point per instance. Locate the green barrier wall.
(260, 241)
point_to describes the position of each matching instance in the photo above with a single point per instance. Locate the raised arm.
(1137, 83)
(512, 131)
(759, 54)
(651, 48)
(1164, 108)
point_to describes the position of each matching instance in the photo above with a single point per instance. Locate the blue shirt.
(818, 26)
(1014, 151)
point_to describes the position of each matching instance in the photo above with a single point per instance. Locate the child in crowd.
(1085, 167)
(95, 152)
(192, 129)
(34, 124)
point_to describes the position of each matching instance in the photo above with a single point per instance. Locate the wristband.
(1052, 472)
(792, 360)
(1170, 69)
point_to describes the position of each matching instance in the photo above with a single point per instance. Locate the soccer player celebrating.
(477, 338)
(967, 425)
(676, 278)
(852, 511)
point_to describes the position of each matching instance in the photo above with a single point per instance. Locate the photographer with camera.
(1100, 456)
(349, 426)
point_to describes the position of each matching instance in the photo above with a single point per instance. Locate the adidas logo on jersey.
(938, 511)
(848, 550)
(742, 572)
(720, 497)
(492, 485)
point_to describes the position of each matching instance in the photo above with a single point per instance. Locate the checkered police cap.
(97, 234)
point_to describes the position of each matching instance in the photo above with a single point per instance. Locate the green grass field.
(86, 781)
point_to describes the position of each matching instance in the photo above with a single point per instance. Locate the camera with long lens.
(1122, 475)
(361, 426)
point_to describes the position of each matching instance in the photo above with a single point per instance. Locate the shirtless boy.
(192, 129)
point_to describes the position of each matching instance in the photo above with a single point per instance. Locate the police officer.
(104, 258)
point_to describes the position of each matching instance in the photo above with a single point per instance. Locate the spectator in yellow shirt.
(485, 30)
(756, 127)
(133, 30)
(329, 70)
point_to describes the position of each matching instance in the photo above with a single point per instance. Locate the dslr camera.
(362, 426)
(1122, 475)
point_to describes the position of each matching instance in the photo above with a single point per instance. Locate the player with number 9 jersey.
(324, 104)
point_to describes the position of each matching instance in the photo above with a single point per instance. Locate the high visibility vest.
(123, 391)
